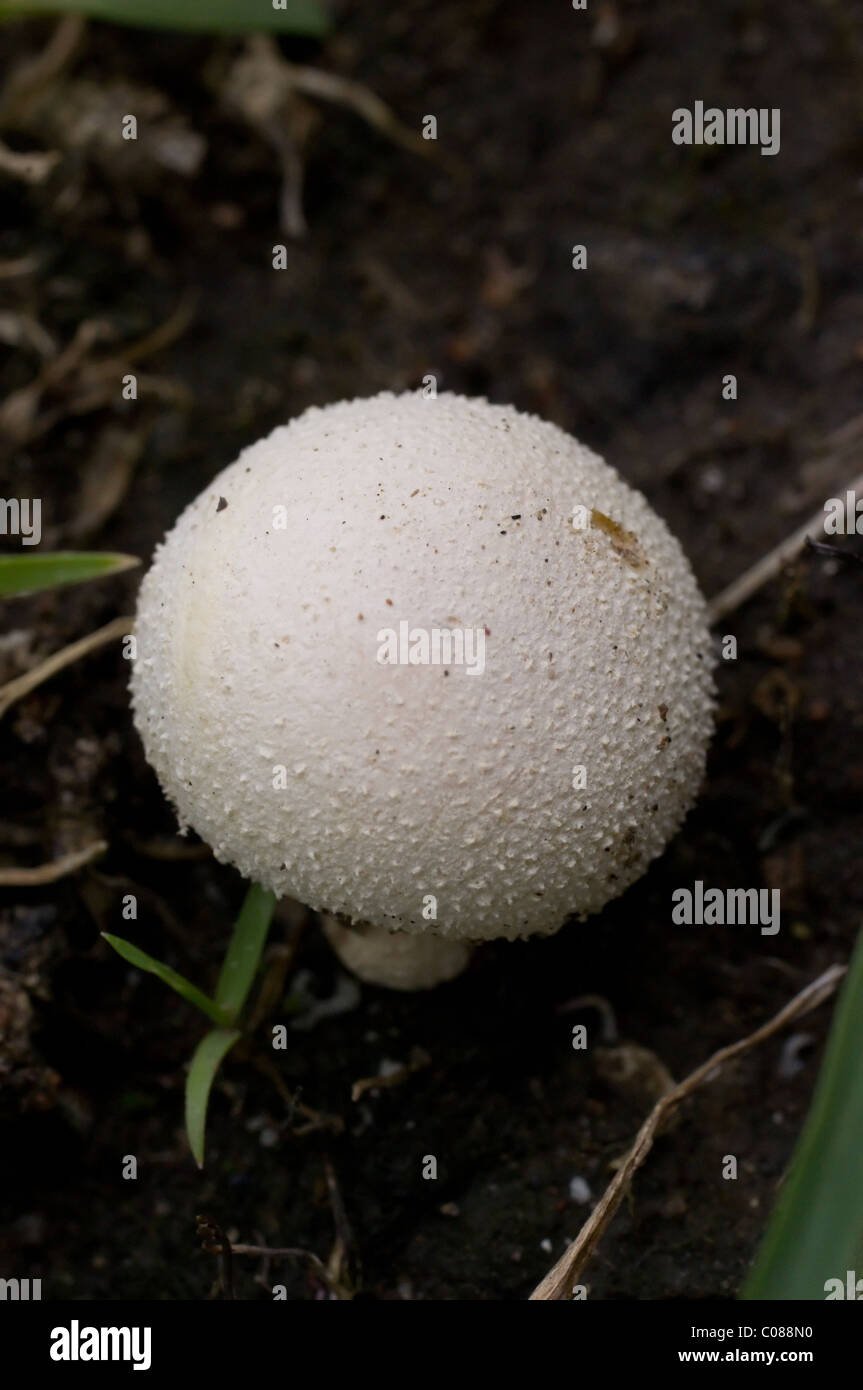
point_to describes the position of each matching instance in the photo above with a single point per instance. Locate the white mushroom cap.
(426, 797)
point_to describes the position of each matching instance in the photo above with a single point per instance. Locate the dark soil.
(702, 262)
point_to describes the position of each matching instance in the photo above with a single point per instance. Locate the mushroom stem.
(396, 960)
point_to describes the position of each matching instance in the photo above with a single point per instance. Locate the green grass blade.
(816, 1231)
(28, 574)
(206, 1060)
(306, 17)
(244, 953)
(170, 977)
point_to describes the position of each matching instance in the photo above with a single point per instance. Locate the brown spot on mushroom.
(663, 711)
(630, 852)
(222, 504)
(623, 542)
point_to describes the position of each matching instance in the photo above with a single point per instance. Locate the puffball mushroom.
(431, 667)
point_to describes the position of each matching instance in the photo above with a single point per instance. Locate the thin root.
(56, 869)
(22, 685)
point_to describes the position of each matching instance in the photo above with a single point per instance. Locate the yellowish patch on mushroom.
(623, 542)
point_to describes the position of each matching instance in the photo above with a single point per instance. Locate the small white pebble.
(545, 1245)
(579, 1191)
(712, 480)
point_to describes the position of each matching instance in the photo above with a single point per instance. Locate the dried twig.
(315, 1119)
(342, 1259)
(33, 75)
(329, 86)
(419, 1058)
(81, 383)
(287, 1252)
(56, 869)
(30, 166)
(19, 411)
(559, 1282)
(162, 336)
(22, 685)
(19, 265)
(215, 1242)
(105, 480)
(272, 95)
(771, 564)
